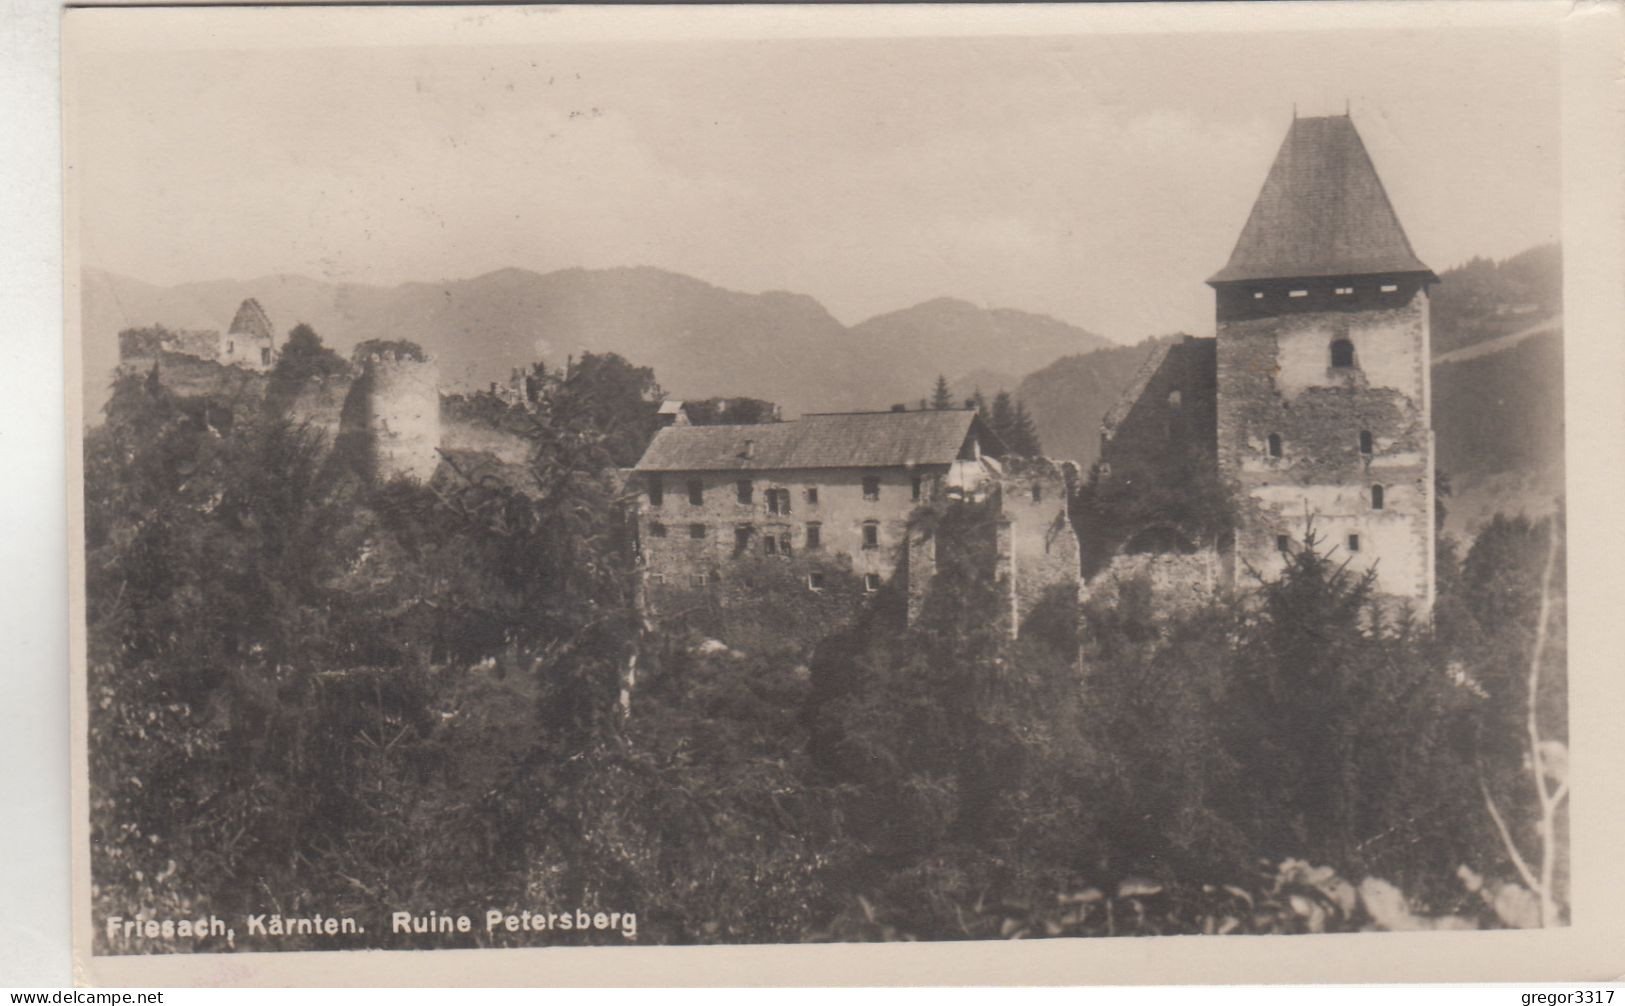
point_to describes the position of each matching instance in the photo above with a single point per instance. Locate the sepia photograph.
(550, 482)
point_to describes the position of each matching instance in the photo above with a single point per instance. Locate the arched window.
(1365, 441)
(1342, 353)
(1275, 445)
(1376, 497)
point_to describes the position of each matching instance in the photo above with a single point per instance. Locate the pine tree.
(1023, 439)
(942, 398)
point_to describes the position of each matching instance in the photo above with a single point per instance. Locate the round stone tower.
(402, 416)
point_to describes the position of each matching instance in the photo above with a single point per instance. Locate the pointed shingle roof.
(828, 440)
(251, 320)
(1322, 212)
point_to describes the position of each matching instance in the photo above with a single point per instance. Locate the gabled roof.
(251, 320)
(1322, 212)
(827, 440)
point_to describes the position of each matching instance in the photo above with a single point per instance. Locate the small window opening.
(1283, 543)
(1377, 497)
(696, 530)
(815, 581)
(265, 357)
(741, 537)
(698, 579)
(696, 492)
(1275, 445)
(815, 536)
(812, 495)
(657, 530)
(1298, 293)
(1174, 400)
(1258, 295)
(915, 485)
(1365, 441)
(1354, 543)
(1390, 288)
(1038, 493)
(231, 347)
(871, 582)
(871, 487)
(871, 534)
(657, 578)
(1342, 353)
(746, 492)
(657, 492)
(1343, 291)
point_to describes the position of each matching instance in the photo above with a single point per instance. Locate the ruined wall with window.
(1324, 424)
(1035, 500)
(1155, 491)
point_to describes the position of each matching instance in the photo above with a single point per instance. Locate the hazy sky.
(1100, 179)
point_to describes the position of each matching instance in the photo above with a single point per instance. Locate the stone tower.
(402, 409)
(250, 341)
(1323, 370)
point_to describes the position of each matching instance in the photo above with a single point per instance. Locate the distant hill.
(956, 337)
(702, 341)
(1483, 300)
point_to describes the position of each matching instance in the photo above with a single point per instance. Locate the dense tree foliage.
(309, 692)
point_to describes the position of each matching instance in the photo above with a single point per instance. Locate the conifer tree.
(942, 398)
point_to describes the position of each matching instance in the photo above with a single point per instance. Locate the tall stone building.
(1309, 413)
(1324, 419)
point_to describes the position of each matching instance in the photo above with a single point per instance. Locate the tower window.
(696, 492)
(871, 534)
(746, 493)
(1275, 445)
(1283, 543)
(1376, 497)
(1365, 441)
(657, 492)
(871, 487)
(1354, 543)
(1342, 353)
